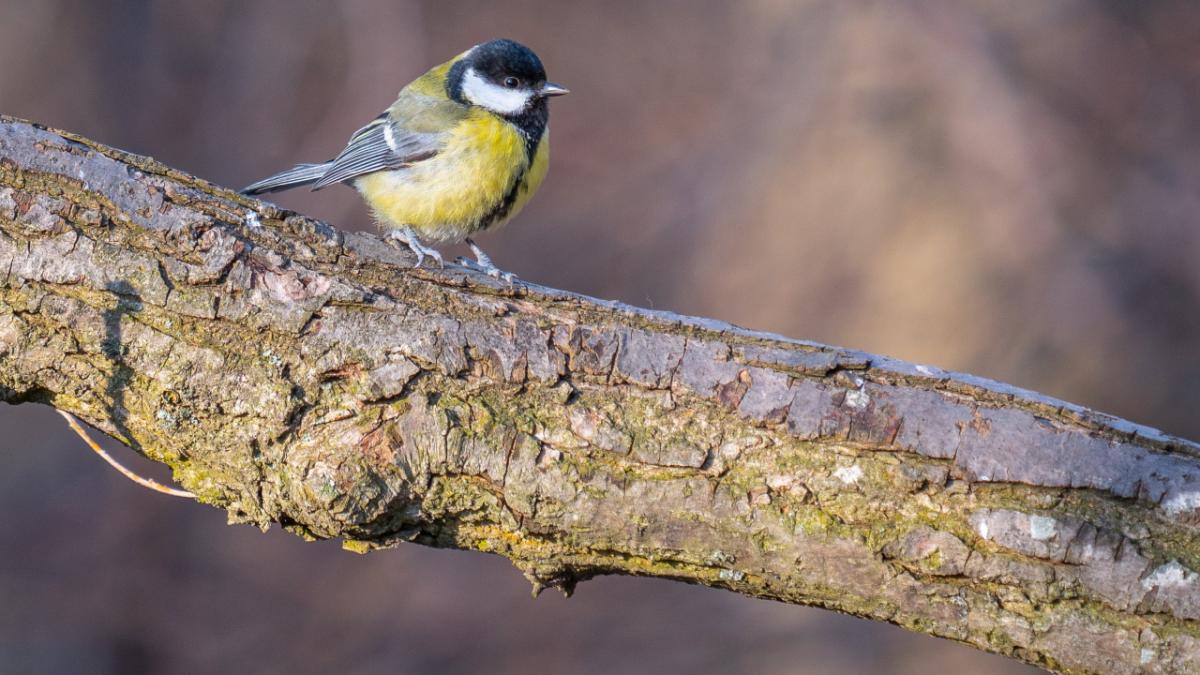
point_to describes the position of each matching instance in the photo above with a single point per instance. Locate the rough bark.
(295, 374)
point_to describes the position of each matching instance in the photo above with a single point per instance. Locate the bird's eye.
(511, 82)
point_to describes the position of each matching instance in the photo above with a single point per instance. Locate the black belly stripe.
(531, 124)
(504, 206)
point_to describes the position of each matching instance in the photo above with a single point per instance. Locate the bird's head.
(503, 76)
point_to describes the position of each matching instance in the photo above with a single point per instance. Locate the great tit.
(461, 150)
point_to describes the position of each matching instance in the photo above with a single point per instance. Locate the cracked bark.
(294, 374)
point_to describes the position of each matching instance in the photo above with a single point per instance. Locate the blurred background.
(1006, 188)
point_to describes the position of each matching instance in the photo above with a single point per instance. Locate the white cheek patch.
(492, 96)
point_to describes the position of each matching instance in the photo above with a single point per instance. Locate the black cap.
(499, 59)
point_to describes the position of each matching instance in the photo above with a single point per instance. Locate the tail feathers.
(301, 174)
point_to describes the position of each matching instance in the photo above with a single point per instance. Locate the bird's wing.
(382, 144)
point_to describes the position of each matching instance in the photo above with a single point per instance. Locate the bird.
(462, 150)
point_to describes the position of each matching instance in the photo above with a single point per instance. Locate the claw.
(406, 236)
(483, 263)
(492, 271)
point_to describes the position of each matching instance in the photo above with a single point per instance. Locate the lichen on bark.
(297, 375)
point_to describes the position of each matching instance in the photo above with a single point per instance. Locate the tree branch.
(292, 373)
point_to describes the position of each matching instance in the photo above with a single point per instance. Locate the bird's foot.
(406, 236)
(490, 270)
(483, 263)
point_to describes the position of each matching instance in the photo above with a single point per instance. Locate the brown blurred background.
(1006, 188)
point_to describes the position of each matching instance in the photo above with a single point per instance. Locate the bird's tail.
(301, 174)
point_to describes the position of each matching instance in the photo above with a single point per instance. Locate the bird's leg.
(409, 238)
(483, 263)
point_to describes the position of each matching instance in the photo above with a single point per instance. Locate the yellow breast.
(464, 187)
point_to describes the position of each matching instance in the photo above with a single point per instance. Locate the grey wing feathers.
(377, 146)
(301, 174)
